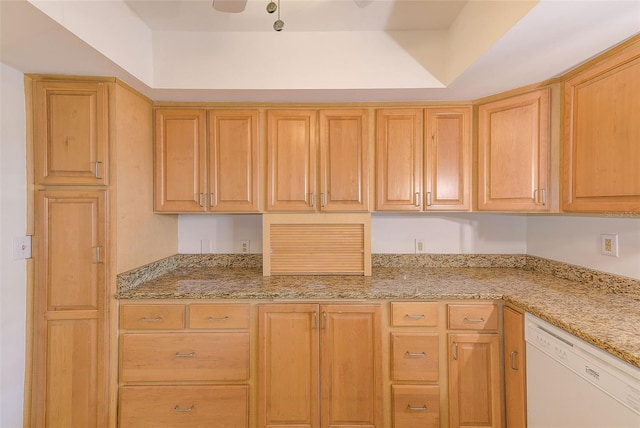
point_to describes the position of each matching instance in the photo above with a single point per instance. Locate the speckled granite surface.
(600, 308)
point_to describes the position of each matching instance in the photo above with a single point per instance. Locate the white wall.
(13, 277)
(576, 240)
(391, 233)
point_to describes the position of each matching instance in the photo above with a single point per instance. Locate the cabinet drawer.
(415, 356)
(152, 317)
(219, 316)
(185, 357)
(414, 314)
(473, 317)
(416, 406)
(184, 406)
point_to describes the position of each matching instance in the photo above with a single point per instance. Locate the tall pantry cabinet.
(75, 127)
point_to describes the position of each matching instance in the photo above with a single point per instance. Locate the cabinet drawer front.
(473, 317)
(219, 316)
(415, 356)
(185, 357)
(184, 406)
(416, 406)
(152, 317)
(410, 314)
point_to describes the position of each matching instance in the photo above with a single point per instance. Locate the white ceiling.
(299, 15)
(330, 50)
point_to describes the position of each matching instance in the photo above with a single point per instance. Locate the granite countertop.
(607, 316)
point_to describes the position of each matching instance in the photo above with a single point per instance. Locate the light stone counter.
(602, 309)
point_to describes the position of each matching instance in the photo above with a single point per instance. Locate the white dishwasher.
(572, 384)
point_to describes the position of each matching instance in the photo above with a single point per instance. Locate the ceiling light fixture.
(272, 7)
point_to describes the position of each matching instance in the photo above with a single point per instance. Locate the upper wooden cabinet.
(405, 165)
(194, 174)
(399, 159)
(291, 160)
(344, 160)
(71, 132)
(513, 153)
(448, 167)
(233, 160)
(293, 179)
(601, 150)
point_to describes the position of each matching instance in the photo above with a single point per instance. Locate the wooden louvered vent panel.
(319, 248)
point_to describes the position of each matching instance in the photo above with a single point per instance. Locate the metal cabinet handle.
(512, 358)
(210, 199)
(423, 408)
(473, 320)
(543, 196)
(417, 199)
(414, 317)
(415, 354)
(429, 199)
(323, 199)
(324, 320)
(177, 408)
(189, 355)
(200, 196)
(314, 325)
(312, 200)
(455, 351)
(96, 165)
(156, 319)
(99, 254)
(224, 318)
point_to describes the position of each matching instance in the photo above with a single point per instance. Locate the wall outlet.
(419, 246)
(609, 245)
(245, 247)
(22, 247)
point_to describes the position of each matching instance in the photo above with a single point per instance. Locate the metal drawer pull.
(512, 357)
(324, 320)
(414, 317)
(417, 409)
(473, 319)
(156, 319)
(415, 354)
(95, 171)
(224, 318)
(177, 408)
(189, 355)
(455, 351)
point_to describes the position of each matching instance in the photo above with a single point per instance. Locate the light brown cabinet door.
(513, 153)
(601, 136)
(291, 160)
(351, 366)
(319, 365)
(288, 391)
(515, 369)
(474, 380)
(70, 343)
(447, 160)
(71, 132)
(399, 137)
(344, 160)
(180, 160)
(233, 160)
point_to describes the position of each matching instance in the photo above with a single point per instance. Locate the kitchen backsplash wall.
(576, 240)
(463, 233)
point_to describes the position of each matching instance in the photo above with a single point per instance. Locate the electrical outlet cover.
(609, 245)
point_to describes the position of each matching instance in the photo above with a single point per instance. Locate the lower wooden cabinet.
(474, 380)
(416, 406)
(319, 365)
(225, 406)
(514, 369)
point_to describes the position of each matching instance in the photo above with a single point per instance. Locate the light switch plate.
(609, 245)
(22, 247)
